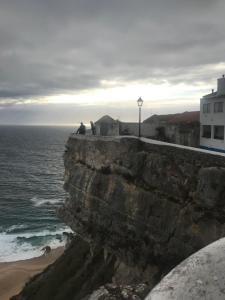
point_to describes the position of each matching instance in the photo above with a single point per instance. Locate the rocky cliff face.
(144, 206)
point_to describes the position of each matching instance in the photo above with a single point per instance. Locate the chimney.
(221, 86)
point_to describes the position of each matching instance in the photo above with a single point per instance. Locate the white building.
(212, 119)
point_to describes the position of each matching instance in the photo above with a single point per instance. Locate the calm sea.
(31, 188)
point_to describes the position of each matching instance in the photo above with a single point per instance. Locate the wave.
(31, 165)
(43, 202)
(43, 233)
(22, 246)
(16, 228)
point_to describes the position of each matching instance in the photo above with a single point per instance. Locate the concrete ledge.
(201, 276)
(145, 140)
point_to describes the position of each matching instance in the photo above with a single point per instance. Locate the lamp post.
(140, 103)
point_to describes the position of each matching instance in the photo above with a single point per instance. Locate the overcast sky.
(66, 61)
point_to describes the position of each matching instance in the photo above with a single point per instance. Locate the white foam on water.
(16, 227)
(14, 249)
(41, 202)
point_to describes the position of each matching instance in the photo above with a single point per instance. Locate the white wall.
(212, 119)
(221, 86)
(201, 276)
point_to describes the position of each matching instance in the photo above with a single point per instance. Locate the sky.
(62, 62)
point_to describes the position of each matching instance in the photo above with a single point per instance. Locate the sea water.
(31, 189)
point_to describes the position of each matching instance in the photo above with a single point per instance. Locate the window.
(206, 108)
(218, 107)
(219, 132)
(206, 131)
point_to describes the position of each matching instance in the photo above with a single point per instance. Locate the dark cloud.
(50, 46)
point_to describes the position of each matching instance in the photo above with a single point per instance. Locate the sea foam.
(28, 245)
(37, 202)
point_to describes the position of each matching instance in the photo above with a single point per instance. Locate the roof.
(213, 95)
(185, 117)
(105, 119)
(161, 118)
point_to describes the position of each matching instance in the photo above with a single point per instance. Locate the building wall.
(212, 119)
(187, 134)
(147, 130)
(107, 128)
(174, 133)
(182, 134)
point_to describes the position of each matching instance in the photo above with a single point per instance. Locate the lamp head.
(140, 102)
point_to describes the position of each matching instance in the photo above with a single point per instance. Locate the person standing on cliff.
(81, 129)
(93, 129)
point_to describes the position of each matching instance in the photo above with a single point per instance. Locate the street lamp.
(140, 103)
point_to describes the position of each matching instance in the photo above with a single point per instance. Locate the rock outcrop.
(144, 206)
(74, 275)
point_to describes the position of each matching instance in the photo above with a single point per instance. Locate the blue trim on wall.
(212, 149)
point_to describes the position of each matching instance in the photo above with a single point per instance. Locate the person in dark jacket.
(93, 129)
(81, 129)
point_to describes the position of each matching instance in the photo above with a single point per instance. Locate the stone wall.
(129, 128)
(107, 128)
(115, 128)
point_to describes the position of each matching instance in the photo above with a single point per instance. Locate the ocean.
(31, 189)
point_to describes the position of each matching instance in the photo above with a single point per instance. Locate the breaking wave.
(28, 245)
(37, 202)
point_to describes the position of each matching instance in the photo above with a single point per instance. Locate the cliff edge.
(138, 208)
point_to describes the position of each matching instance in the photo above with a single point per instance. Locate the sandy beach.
(14, 275)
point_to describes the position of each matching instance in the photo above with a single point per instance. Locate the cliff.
(139, 208)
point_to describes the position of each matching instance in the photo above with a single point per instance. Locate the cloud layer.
(50, 47)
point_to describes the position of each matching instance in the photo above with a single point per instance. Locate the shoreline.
(14, 275)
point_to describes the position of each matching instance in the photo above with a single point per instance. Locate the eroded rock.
(120, 292)
(211, 187)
